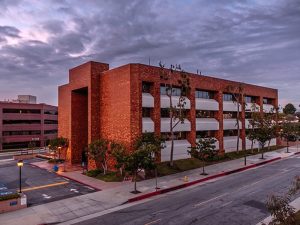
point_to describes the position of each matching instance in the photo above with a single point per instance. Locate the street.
(40, 186)
(238, 199)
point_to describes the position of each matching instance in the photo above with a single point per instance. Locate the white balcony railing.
(207, 104)
(231, 124)
(230, 143)
(267, 108)
(147, 100)
(252, 107)
(180, 150)
(165, 125)
(148, 125)
(230, 106)
(165, 102)
(207, 124)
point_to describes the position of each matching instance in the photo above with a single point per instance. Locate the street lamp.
(20, 165)
(59, 148)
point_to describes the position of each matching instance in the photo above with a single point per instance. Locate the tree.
(120, 154)
(289, 132)
(237, 92)
(177, 113)
(289, 109)
(142, 158)
(98, 151)
(279, 206)
(204, 149)
(251, 134)
(59, 144)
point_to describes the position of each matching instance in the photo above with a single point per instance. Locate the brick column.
(192, 117)
(219, 117)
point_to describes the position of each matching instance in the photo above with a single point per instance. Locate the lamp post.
(20, 165)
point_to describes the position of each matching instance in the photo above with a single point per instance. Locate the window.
(146, 112)
(164, 113)
(229, 133)
(267, 101)
(51, 112)
(229, 115)
(204, 94)
(50, 131)
(248, 99)
(50, 121)
(248, 115)
(21, 122)
(205, 114)
(22, 111)
(205, 134)
(227, 97)
(146, 87)
(177, 136)
(166, 90)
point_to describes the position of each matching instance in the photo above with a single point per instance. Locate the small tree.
(98, 151)
(204, 149)
(141, 158)
(58, 144)
(279, 206)
(237, 92)
(289, 132)
(176, 112)
(120, 154)
(289, 109)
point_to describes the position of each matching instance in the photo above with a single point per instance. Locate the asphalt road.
(238, 199)
(40, 186)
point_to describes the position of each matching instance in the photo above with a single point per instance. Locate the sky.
(250, 41)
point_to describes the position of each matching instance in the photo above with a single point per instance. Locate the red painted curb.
(296, 153)
(166, 190)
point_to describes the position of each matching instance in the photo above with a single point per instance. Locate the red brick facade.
(99, 102)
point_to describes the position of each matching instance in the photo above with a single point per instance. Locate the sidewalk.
(295, 204)
(115, 194)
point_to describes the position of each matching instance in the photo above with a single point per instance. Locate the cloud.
(249, 41)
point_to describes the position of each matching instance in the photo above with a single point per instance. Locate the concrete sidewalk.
(115, 194)
(295, 204)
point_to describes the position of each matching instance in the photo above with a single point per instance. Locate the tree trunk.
(252, 142)
(262, 151)
(135, 175)
(171, 131)
(238, 126)
(287, 146)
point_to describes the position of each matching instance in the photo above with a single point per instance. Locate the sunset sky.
(249, 41)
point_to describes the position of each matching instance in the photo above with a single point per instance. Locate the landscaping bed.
(163, 168)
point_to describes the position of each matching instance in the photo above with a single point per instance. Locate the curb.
(98, 189)
(58, 174)
(166, 190)
(297, 153)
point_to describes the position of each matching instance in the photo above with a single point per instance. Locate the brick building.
(22, 123)
(122, 103)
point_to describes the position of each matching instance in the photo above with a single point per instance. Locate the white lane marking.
(153, 222)
(46, 196)
(228, 203)
(209, 200)
(74, 190)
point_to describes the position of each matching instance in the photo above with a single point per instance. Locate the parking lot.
(40, 186)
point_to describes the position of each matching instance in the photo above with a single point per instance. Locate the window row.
(29, 122)
(24, 132)
(29, 111)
